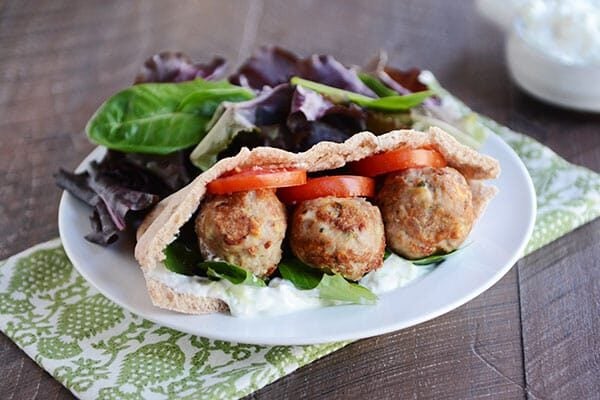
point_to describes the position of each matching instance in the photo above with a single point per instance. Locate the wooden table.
(534, 334)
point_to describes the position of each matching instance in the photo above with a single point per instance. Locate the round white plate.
(497, 242)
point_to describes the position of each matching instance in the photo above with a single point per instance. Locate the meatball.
(426, 211)
(341, 235)
(243, 228)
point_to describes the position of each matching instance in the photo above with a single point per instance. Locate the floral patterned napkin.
(101, 351)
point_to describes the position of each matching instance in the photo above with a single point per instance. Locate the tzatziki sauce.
(281, 296)
(566, 30)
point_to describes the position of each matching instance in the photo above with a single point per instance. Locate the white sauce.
(395, 273)
(567, 30)
(280, 296)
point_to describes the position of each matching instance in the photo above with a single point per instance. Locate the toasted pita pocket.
(162, 225)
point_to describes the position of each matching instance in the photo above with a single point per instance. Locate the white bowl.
(552, 80)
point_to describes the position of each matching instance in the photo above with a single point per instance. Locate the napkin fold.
(100, 351)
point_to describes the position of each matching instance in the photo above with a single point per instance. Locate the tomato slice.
(396, 160)
(256, 178)
(337, 185)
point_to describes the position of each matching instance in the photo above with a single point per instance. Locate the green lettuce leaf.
(224, 127)
(300, 274)
(182, 259)
(231, 272)
(330, 287)
(376, 85)
(433, 259)
(232, 118)
(186, 260)
(387, 104)
(160, 118)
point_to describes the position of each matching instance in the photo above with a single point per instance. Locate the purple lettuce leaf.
(327, 70)
(309, 103)
(290, 118)
(117, 198)
(270, 108)
(122, 188)
(268, 66)
(312, 106)
(104, 230)
(77, 185)
(161, 175)
(272, 66)
(402, 81)
(177, 67)
(314, 119)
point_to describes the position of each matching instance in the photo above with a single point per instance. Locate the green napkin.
(101, 351)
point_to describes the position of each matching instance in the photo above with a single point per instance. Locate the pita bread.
(162, 225)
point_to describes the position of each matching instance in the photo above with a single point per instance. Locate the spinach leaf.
(330, 287)
(399, 103)
(300, 274)
(333, 93)
(233, 273)
(388, 103)
(160, 118)
(182, 259)
(387, 254)
(376, 85)
(433, 259)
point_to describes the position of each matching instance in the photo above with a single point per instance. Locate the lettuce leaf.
(293, 119)
(433, 259)
(232, 118)
(160, 118)
(329, 287)
(268, 66)
(387, 104)
(400, 81)
(183, 259)
(329, 71)
(376, 85)
(230, 272)
(122, 187)
(271, 66)
(169, 66)
(429, 260)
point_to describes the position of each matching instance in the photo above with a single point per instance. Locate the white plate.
(498, 241)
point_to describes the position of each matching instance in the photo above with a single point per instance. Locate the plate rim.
(316, 339)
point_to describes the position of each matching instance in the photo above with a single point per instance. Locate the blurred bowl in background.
(575, 86)
(552, 48)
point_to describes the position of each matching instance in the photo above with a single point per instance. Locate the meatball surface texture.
(426, 211)
(340, 235)
(243, 228)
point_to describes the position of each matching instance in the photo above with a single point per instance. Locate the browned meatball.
(243, 228)
(341, 235)
(426, 211)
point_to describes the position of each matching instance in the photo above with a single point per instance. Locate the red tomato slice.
(256, 178)
(396, 160)
(338, 186)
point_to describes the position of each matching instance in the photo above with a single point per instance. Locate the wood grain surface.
(532, 335)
